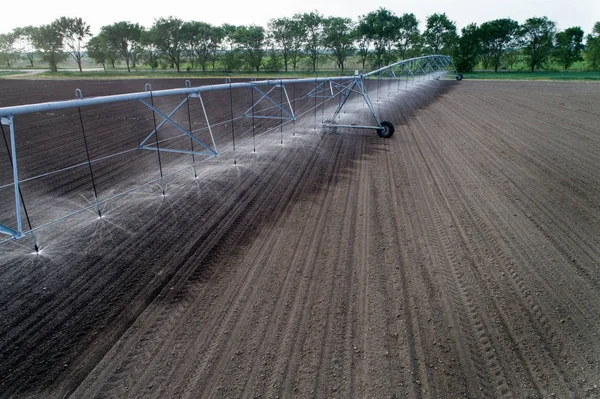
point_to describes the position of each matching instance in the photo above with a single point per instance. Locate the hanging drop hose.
(281, 109)
(294, 103)
(191, 140)
(87, 153)
(20, 192)
(162, 183)
(315, 102)
(232, 129)
(253, 135)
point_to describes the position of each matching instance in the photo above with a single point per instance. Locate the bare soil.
(460, 258)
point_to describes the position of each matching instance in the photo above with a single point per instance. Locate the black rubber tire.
(459, 77)
(386, 131)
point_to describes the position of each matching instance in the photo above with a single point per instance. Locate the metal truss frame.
(252, 111)
(358, 87)
(144, 144)
(433, 67)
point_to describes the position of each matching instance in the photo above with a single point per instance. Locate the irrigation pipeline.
(327, 88)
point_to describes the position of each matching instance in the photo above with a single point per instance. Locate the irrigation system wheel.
(459, 76)
(386, 131)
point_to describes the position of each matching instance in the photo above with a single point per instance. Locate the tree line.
(305, 39)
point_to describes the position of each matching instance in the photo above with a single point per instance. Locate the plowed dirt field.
(458, 259)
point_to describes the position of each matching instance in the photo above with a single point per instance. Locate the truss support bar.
(212, 137)
(8, 231)
(351, 126)
(269, 117)
(146, 147)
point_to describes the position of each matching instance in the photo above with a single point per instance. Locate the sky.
(583, 13)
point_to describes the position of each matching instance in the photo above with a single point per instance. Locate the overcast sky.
(16, 13)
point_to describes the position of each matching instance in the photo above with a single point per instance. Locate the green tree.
(75, 31)
(497, 36)
(592, 52)
(48, 39)
(337, 37)
(297, 41)
(312, 26)
(468, 49)
(201, 39)
(8, 51)
(537, 35)
(440, 35)
(287, 34)
(167, 36)
(99, 50)
(124, 38)
(408, 36)
(24, 38)
(231, 57)
(568, 46)
(381, 28)
(362, 45)
(251, 41)
(150, 55)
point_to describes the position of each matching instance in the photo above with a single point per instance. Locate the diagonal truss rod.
(266, 95)
(320, 91)
(166, 120)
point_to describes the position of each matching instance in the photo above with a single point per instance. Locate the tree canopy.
(568, 46)
(48, 39)
(440, 35)
(381, 28)
(304, 40)
(125, 39)
(537, 35)
(337, 37)
(497, 36)
(74, 31)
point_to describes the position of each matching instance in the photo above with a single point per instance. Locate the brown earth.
(460, 258)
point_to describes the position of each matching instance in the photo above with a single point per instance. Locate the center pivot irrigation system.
(263, 102)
